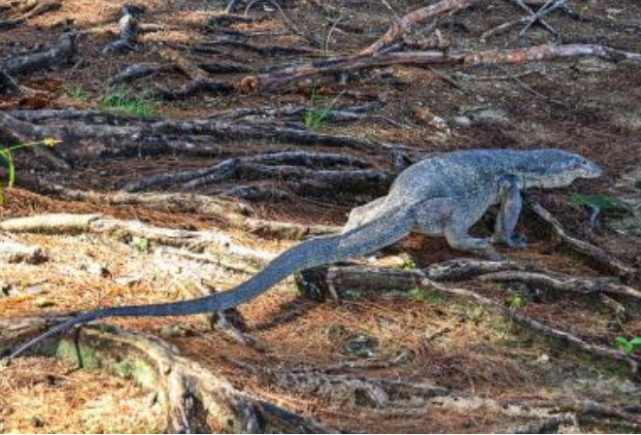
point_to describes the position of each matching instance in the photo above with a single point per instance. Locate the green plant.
(140, 244)
(316, 117)
(422, 295)
(516, 301)
(125, 101)
(409, 264)
(77, 93)
(629, 346)
(603, 202)
(6, 157)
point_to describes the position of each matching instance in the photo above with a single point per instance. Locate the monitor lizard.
(443, 195)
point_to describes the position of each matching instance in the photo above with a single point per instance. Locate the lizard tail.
(360, 241)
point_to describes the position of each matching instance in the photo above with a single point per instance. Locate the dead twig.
(400, 26)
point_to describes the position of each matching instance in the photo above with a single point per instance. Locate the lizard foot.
(515, 241)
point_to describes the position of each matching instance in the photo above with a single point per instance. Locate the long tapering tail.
(363, 240)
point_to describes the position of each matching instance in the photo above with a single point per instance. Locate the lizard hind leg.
(456, 233)
(363, 214)
(510, 209)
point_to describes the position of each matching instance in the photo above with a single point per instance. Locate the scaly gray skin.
(440, 196)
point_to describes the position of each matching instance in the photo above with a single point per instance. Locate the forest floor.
(394, 360)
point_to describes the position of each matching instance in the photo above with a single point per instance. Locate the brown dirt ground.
(591, 107)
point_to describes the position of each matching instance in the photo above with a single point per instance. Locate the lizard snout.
(593, 170)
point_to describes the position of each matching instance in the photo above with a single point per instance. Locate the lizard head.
(558, 168)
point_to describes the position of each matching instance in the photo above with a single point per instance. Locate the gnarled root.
(194, 398)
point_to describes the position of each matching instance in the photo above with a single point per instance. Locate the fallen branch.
(287, 76)
(399, 27)
(533, 17)
(194, 399)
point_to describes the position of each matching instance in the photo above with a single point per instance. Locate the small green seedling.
(77, 93)
(140, 244)
(124, 101)
(629, 346)
(516, 301)
(316, 117)
(6, 157)
(422, 295)
(605, 203)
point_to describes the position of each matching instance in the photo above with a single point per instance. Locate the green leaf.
(625, 345)
(636, 341)
(603, 202)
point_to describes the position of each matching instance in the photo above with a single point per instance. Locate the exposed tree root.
(231, 214)
(232, 167)
(139, 71)
(170, 136)
(129, 31)
(596, 255)
(200, 81)
(342, 389)
(125, 230)
(59, 54)
(566, 283)
(12, 252)
(8, 85)
(29, 10)
(336, 281)
(195, 399)
(98, 117)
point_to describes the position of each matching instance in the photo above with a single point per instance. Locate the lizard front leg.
(510, 209)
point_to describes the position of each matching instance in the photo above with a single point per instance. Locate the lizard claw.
(517, 241)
